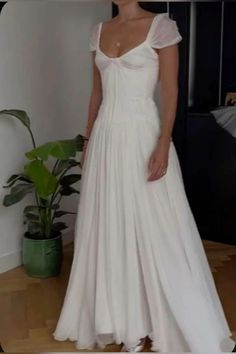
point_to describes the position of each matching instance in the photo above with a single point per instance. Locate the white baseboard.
(10, 260)
(13, 259)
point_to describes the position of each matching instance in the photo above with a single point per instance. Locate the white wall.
(45, 69)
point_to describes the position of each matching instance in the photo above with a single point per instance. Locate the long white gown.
(139, 266)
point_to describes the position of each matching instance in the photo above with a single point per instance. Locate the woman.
(139, 267)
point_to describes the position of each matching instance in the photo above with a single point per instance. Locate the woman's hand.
(158, 161)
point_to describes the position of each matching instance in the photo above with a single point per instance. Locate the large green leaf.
(34, 227)
(31, 212)
(60, 213)
(70, 179)
(45, 183)
(14, 178)
(58, 226)
(79, 141)
(68, 190)
(64, 165)
(34, 209)
(55, 206)
(17, 193)
(22, 117)
(60, 149)
(19, 114)
(32, 217)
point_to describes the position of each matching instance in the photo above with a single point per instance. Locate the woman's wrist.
(85, 141)
(165, 137)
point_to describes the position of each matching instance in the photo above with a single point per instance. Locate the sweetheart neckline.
(126, 53)
(130, 50)
(122, 55)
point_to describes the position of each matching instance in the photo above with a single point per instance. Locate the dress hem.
(97, 343)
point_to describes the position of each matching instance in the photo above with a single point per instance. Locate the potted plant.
(42, 241)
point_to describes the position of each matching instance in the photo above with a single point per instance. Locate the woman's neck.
(129, 11)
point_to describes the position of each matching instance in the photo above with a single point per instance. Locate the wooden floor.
(29, 307)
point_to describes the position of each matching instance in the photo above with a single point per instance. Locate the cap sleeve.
(165, 32)
(93, 37)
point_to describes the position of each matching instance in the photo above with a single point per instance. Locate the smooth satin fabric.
(139, 266)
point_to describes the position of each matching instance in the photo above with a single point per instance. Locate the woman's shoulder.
(93, 36)
(165, 31)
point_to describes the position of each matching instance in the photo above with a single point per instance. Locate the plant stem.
(53, 216)
(32, 137)
(55, 165)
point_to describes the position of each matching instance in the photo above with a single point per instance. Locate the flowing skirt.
(139, 267)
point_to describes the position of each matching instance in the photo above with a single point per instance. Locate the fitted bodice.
(129, 80)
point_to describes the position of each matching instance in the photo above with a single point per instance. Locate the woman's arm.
(95, 99)
(94, 104)
(168, 76)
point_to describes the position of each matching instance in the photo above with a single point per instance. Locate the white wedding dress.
(139, 266)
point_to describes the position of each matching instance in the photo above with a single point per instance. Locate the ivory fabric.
(139, 266)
